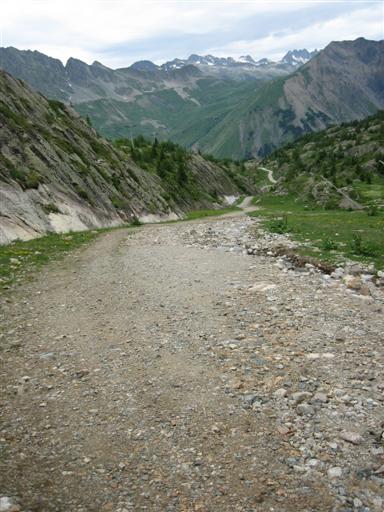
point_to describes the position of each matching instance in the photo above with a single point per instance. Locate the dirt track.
(154, 371)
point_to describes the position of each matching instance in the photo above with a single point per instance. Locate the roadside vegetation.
(20, 259)
(329, 235)
(315, 177)
(198, 214)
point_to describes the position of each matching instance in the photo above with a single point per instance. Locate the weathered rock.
(352, 282)
(300, 396)
(280, 393)
(351, 437)
(335, 472)
(8, 505)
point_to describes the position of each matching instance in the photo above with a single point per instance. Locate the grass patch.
(198, 214)
(330, 235)
(19, 260)
(371, 192)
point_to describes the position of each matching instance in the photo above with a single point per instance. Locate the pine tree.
(182, 176)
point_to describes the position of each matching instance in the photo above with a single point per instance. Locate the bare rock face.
(57, 174)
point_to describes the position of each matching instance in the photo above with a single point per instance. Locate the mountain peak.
(298, 57)
(144, 65)
(246, 59)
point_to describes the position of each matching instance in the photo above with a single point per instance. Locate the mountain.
(145, 98)
(231, 108)
(45, 74)
(343, 82)
(293, 58)
(298, 57)
(329, 166)
(244, 67)
(145, 65)
(57, 174)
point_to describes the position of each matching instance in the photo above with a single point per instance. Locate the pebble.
(280, 393)
(300, 396)
(7, 504)
(351, 437)
(335, 472)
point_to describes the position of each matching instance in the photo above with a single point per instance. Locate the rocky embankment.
(170, 370)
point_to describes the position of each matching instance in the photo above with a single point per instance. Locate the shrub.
(81, 192)
(278, 225)
(372, 210)
(135, 221)
(50, 208)
(328, 244)
(33, 180)
(119, 203)
(362, 247)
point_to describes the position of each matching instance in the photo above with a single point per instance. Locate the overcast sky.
(118, 33)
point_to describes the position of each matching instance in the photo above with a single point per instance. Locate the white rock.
(320, 397)
(352, 282)
(317, 355)
(6, 504)
(280, 393)
(262, 287)
(335, 472)
(351, 437)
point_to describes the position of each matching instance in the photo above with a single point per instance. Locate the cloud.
(118, 32)
(367, 22)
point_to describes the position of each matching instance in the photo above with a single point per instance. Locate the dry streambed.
(170, 370)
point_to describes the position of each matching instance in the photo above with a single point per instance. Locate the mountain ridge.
(230, 118)
(292, 58)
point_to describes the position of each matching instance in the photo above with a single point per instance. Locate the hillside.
(57, 174)
(348, 157)
(343, 82)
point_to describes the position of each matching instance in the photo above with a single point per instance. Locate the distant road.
(270, 174)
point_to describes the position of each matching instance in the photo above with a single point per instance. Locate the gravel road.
(164, 369)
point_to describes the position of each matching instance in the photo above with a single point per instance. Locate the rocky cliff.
(57, 174)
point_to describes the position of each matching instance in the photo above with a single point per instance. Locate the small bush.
(278, 225)
(82, 193)
(329, 245)
(33, 180)
(119, 203)
(50, 208)
(362, 247)
(135, 221)
(372, 210)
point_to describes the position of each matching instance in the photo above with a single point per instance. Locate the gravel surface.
(165, 369)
